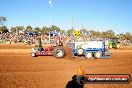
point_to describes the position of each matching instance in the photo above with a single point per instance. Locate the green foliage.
(20, 28)
(62, 32)
(37, 30)
(13, 29)
(45, 30)
(29, 29)
(108, 34)
(3, 29)
(95, 34)
(128, 35)
(83, 32)
(53, 27)
(122, 36)
(70, 31)
(17, 28)
(2, 20)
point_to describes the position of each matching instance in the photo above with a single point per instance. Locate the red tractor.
(55, 50)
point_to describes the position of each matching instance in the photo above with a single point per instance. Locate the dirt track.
(19, 70)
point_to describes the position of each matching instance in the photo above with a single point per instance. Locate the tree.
(122, 36)
(2, 20)
(128, 36)
(37, 30)
(110, 33)
(53, 27)
(70, 31)
(20, 28)
(92, 34)
(3, 29)
(45, 30)
(83, 32)
(104, 34)
(13, 29)
(29, 28)
(62, 32)
(98, 34)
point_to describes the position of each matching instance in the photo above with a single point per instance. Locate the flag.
(50, 3)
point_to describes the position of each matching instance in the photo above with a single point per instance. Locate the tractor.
(114, 43)
(55, 50)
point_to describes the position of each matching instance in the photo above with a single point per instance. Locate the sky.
(99, 15)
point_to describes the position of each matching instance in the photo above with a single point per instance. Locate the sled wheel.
(97, 55)
(80, 51)
(88, 55)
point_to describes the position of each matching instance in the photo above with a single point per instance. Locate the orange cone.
(81, 71)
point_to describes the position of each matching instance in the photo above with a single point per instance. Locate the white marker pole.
(50, 3)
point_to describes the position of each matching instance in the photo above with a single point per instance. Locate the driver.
(40, 47)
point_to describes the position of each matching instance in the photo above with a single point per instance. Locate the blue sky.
(98, 15)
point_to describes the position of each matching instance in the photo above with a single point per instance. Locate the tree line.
(45, 30)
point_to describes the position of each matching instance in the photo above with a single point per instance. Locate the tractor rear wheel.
(59, 52)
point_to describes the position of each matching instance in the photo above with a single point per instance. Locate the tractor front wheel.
(33, 54)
